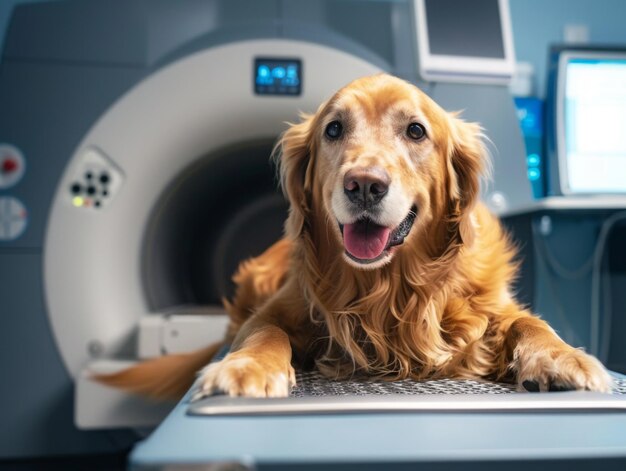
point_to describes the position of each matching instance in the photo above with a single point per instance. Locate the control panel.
(13, 218)
(12, 166)
(530, 115)
(95, 181)
(273, 76)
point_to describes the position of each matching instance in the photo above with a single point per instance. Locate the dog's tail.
(163, 378)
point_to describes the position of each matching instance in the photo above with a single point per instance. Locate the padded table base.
(442, 439)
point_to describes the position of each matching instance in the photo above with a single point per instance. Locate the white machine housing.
(93, 278)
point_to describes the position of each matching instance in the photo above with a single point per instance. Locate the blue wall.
(536, 25)
(539, 23)
(6, 6)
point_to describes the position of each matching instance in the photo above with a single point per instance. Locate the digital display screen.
(469, 28)
(594, 123)
(278, 76)
(530, 115)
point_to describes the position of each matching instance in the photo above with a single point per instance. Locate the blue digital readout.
(278, 76)
(530, 115)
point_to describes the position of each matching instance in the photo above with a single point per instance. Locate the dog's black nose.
(366, 186)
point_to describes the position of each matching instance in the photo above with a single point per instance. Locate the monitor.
(464, 41)
(587, 99)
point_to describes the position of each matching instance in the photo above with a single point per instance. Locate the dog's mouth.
(367, 242)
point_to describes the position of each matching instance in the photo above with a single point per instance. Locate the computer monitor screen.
(591, 122)
(465, 28)
(467, 41)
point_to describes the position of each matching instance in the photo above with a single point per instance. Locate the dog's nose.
(366, 186)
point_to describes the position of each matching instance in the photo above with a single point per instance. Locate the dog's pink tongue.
(364, 239)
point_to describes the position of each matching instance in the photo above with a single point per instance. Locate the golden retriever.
(390, 266)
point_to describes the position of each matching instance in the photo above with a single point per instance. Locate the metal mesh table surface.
(316, 394)
(313, 384)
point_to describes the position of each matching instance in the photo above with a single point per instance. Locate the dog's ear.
(467, 163)
(293, 154)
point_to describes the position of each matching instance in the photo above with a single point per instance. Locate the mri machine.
(141, 134)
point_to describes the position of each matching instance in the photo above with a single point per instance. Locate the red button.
(9, 165)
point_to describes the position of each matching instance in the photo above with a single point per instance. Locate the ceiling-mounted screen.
(464, 41)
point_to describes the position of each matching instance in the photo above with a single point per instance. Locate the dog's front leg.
(259, 364)
(544, 362)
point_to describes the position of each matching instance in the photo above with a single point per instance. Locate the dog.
(390, 267)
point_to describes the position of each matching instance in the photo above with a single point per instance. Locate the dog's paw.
(239, 374)
(560, 369)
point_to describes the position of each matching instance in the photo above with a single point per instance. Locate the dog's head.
(382, 167)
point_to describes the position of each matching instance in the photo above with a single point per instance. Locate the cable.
(596, 276)
(594, 263)
(605, 339)
(555, 265)
(541, 256)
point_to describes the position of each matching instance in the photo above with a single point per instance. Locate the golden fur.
(439, 305)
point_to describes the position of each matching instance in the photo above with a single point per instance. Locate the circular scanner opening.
(221, 210)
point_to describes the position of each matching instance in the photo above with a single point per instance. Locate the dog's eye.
(416, 131)
(334, 130)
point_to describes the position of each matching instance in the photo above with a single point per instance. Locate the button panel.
(12, 166)
(13, 218)
(96, 180)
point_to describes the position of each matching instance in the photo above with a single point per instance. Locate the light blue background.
(536, 25)
(539, 23)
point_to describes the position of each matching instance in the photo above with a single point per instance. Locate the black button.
(97, 204)
(104, 178)
(91, 190)
(105, 192)
(76, 188)
(88, 175)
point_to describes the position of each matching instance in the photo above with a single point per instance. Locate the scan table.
(445, 424)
